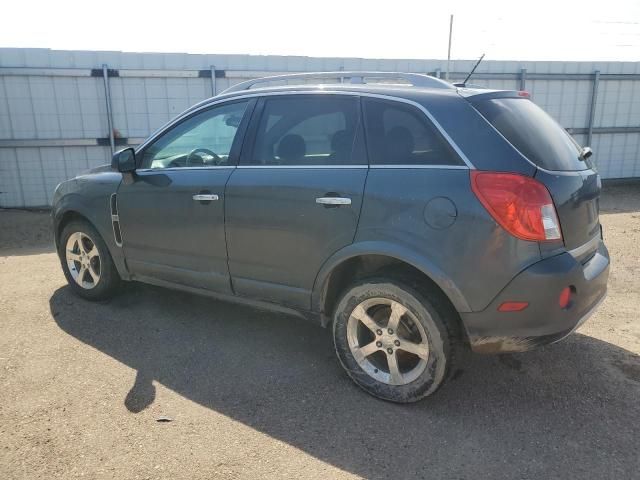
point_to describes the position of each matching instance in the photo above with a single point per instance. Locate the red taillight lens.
(521, 205)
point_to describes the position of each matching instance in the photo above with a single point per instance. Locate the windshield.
(534, 133)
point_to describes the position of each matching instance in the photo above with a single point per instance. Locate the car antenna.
(464, 84)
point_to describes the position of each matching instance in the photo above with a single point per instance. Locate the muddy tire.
(392, 340)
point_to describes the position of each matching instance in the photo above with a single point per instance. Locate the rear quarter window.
(400, 134)
(533, 133)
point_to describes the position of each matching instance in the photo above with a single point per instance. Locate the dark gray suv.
(415, 219)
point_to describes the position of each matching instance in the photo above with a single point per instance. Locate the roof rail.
(355, 77)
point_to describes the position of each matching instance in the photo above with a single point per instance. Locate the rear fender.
(393, 251)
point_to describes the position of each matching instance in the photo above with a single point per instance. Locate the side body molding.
(388, 250)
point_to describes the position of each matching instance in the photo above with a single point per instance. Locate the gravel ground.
(252, 394)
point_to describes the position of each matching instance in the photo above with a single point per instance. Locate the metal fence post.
(592, 111)
(213, 80)
(107, 96)
(523, 78)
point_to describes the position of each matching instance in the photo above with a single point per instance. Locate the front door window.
(203, 140)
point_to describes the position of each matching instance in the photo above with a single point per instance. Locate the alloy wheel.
(83, 260)
(387, 341)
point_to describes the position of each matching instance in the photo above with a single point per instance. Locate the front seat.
(291, 150)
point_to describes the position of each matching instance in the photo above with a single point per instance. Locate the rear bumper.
(543, 321)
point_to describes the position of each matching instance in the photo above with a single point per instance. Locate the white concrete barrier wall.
(49, 101)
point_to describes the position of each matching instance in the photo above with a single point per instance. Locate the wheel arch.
(65, 218)
(71, 208)
(73, 205)
(370, 258)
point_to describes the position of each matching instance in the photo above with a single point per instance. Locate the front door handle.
(205, 197)
(333, 201)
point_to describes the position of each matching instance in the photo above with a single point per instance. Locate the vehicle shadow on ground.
(568, 410)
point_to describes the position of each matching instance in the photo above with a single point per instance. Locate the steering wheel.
(195, 151)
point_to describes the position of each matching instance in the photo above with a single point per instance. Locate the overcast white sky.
(535, 30)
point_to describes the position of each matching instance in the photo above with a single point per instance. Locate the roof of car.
(359, 81)
(398, 90)
(408, 92)
(413, 86)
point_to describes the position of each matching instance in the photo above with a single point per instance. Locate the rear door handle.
(205, 197)
(333, 201)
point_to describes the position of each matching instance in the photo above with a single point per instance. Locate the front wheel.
(86, 262)
(392, 341)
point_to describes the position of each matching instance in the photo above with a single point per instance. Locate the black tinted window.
(302, 130)
(533, 132)
(400, 134)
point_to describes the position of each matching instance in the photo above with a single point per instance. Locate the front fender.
(403, 254)
(91, 200)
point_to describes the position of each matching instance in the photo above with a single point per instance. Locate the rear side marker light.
(564, 299)
(512, 306)
(521, 205)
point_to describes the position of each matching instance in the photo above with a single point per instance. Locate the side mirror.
(586, 153)
(124, 160)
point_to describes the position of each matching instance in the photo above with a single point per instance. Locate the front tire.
(392, 340)
(86, 262)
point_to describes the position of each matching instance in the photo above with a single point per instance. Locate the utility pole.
(449, 49)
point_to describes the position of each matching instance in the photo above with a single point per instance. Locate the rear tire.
(392, 340)
(86, 262)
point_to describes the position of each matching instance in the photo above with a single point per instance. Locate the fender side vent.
(116, 232)
(115, 221)
(114, 205)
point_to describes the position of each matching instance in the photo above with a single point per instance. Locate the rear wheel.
(392, 341)
(86, 262)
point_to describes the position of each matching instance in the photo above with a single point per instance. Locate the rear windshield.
(534, 133)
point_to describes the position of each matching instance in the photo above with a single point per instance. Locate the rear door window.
(308, 130)
(534, 133)
(400, 134)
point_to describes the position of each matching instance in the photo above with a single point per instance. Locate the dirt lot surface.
(260, 395)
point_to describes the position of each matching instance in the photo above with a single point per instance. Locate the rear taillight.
(521, 205)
